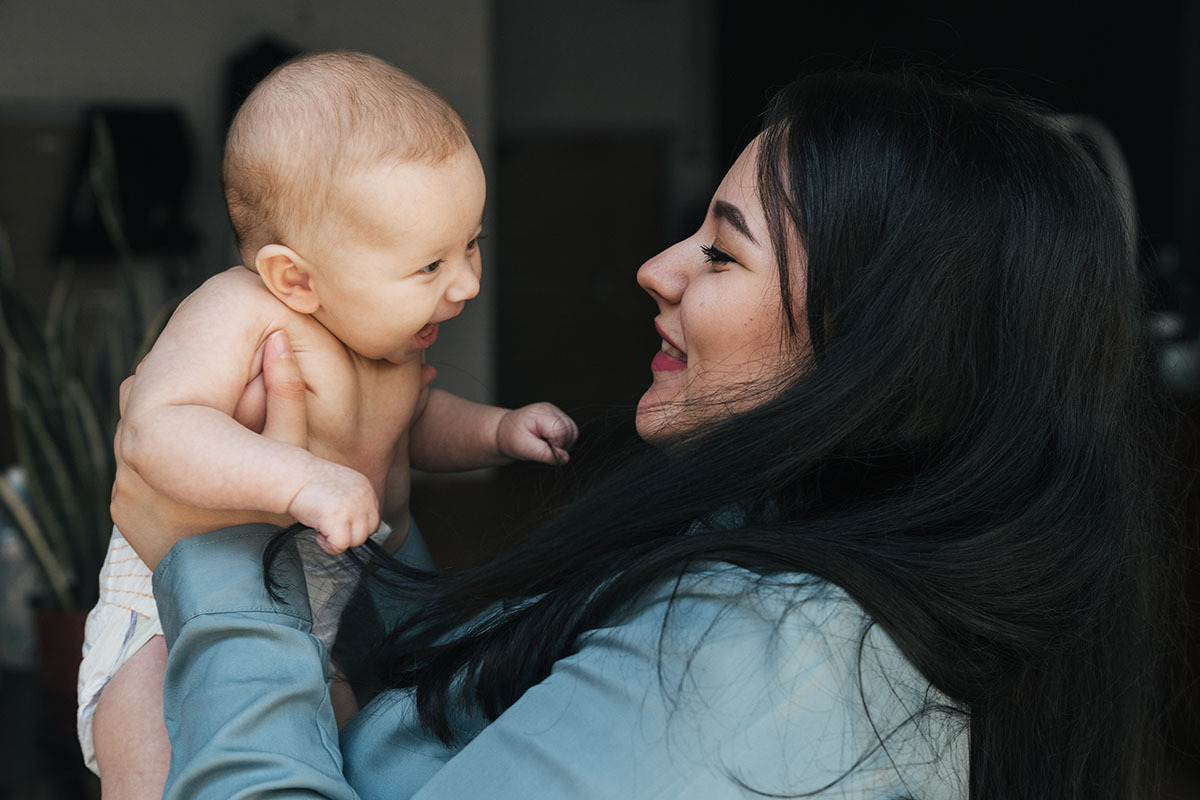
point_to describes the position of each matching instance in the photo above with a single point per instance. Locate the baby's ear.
(288, 277)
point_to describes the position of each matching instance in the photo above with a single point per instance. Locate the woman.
(901, 492)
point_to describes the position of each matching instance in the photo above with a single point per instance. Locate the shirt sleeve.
(244, 696)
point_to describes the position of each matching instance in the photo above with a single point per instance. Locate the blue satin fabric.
(779, 685)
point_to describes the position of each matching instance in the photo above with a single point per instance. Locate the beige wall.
(67, 52)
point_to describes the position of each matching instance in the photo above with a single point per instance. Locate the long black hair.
(964, 445)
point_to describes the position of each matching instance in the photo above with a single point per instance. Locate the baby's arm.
(178, 432)
(450, 433)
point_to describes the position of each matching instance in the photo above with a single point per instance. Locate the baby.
(357, 200)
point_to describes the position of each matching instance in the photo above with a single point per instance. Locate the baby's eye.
(471, 245)
(429, 269)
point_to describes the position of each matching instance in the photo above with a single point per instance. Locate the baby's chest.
(359, 412)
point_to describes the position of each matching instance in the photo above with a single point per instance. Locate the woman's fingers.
(123, 394)
(428, 373)
(287, 411)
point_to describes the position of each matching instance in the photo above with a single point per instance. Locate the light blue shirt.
(749, 682)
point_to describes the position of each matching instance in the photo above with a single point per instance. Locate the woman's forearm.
(245, 699)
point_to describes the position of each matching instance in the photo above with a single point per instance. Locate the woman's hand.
(152, 523)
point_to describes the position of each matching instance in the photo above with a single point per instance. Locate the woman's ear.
(288, 277)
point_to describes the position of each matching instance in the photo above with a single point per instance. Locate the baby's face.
(404, 254)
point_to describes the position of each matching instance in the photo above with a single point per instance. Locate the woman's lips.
(663, 362)
(670, 357)
(658, 329)
(426, 336)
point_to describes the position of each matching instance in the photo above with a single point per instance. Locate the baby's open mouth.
(427, 335)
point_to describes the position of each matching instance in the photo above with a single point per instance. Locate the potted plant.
(61, 376)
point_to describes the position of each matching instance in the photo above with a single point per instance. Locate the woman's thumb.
(287, 410)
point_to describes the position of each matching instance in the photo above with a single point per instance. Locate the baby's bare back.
(359, 411)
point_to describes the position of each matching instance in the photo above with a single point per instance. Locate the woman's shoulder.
(791, 663)
(777, 626)
(718, 679)
(725, 599)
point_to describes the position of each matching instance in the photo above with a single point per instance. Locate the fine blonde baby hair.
(315, 119)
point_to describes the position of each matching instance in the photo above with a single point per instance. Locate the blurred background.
(604, 127)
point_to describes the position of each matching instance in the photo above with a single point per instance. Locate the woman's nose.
(665, 275)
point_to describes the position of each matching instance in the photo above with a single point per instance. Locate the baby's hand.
(538, 432)
(340, 504)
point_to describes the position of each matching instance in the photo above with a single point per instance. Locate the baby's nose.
(465, 286)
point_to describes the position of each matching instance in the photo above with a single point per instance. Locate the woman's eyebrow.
(733, 215)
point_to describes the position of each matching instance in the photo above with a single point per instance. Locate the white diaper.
(126, 617)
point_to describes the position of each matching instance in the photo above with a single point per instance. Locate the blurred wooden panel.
(38, 152)
(577, 216)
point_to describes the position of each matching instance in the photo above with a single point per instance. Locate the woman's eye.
(715, 256)
(429, 269)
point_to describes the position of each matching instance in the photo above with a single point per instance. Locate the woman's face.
(719, 312)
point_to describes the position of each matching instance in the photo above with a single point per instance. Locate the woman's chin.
(654, 420)
(648, 420)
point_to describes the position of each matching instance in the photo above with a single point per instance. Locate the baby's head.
(347, 178)
(314, 122)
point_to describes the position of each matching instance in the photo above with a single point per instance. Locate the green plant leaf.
(96, 457)
(22, 336)
(63, 397)
(43, 552)
(39, 458)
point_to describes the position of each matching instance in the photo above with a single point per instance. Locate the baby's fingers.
(543, 450)
(549, 422)
(351, 531)
(326, 543)
(559, 455)
(563, 431)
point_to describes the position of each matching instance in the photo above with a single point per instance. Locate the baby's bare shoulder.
(218, 325)
(236, 293)
(231, 306)
(237, 302)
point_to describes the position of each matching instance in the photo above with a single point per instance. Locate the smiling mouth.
(673, 352)
(668, 346)
(669, 359)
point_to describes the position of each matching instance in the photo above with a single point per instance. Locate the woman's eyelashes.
(714, 255)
